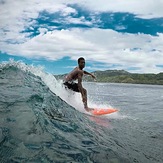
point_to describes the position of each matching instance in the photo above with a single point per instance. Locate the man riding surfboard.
(77, 74)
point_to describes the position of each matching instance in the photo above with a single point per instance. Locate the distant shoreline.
(121, 76)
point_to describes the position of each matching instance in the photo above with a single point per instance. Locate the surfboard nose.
(101, 111)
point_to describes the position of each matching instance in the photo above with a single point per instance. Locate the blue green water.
(41, 122)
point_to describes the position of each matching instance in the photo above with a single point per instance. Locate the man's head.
(81, 62)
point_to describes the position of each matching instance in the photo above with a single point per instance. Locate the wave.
(39, 124)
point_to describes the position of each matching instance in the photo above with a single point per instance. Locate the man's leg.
(74, 87)
(85, 102)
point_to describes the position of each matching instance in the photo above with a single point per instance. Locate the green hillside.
(121, 76)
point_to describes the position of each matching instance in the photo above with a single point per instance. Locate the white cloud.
(101, 45)
(80, 20)
(142, 8)
(68, 10)
(16, 15)
(106, 46)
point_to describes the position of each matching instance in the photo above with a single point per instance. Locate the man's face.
(82, 63)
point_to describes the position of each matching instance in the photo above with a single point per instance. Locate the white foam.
(72, 98)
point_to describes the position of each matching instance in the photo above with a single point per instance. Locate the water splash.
(56, 86)
(72, 98)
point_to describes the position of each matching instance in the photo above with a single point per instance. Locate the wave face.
(37, 125)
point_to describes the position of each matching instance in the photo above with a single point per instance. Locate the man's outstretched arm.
(87, 73)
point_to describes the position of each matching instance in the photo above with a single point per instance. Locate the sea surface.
(42, 122)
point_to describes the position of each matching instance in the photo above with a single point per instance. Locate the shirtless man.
(77, 74)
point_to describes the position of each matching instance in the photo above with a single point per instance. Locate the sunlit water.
(38, 122)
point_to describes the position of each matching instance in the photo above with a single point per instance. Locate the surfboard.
(101, 111)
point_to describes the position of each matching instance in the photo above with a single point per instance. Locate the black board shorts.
(71, 85)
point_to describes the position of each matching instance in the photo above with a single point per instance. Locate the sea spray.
(56, 86)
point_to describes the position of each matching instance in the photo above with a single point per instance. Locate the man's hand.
(94, 77)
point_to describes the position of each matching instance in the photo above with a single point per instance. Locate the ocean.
(42, 122)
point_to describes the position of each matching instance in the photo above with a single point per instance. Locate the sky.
(109, 34)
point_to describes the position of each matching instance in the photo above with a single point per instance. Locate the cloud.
(16, 15)
(80, 20)
(105, 46)
(142, 8)
(102, 45)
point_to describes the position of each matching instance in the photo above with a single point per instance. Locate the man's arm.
(87, 73)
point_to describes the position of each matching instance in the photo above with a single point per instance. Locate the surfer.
(77, 74)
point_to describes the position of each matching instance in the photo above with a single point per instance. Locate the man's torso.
(73, 75)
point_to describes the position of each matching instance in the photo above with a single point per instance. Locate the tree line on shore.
(121, 76)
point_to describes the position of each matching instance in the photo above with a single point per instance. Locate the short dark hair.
(81, 58)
